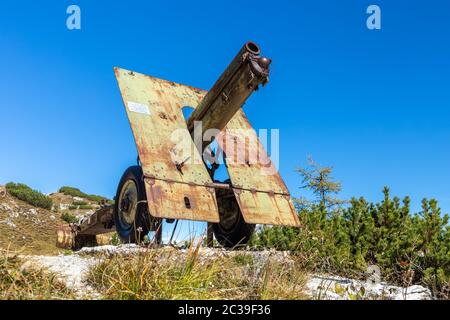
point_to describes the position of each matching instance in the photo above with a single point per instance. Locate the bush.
(433, 245)
(69, 218)
(74, 192)
(347, 239)
(25, 193)
(84, 207)
(115, 240)
(408, 249)
(80, 203)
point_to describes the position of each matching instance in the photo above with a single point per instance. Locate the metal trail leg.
(173, 231)
(209, 235)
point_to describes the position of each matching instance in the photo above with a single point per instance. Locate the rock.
(27, 267)
(9, 223)
(339, 288)
(72, 269)
(111, 249)
(2, 191)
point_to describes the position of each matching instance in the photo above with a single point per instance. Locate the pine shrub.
(25, 193)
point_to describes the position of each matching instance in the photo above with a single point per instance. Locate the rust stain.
(171, 203)
(263, 198)
(152, 133)
(267, 204)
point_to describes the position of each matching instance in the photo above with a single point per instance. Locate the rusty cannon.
(175, 176)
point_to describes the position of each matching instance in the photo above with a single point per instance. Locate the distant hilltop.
(29, 218)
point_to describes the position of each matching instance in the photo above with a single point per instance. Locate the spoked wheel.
(232, 231)
(131, 216)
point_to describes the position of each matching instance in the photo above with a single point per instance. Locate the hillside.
(25, 227)
(31, 229)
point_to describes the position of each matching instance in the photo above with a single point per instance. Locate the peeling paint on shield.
(263, 199)
(166, 186)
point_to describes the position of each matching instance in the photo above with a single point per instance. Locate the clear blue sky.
(373, 104)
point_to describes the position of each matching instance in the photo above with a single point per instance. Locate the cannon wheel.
(232, 231)
(131, 216)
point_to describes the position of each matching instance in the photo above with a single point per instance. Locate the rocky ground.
(27, 228)
(65, 203)
(73, 269)
(32, 231)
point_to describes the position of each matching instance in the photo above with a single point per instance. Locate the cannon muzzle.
(243, 75)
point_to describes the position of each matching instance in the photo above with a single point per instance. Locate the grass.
(25, 193)
(243, 259)
(75, 192)
(19, 283)
(68, 217)
(32, 233)
(80, 203)
(77, 207)
(77, 204)
(155, 274)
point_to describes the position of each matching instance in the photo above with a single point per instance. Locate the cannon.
(175, 175)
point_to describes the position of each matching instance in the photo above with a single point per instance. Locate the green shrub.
(433, 245)
(74, 192)
(408, 248)
(79, 203)
(115, 240)
(25, 193)
(68, 217)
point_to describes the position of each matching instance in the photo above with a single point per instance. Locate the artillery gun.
(175, 175)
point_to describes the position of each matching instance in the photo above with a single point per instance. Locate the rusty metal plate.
(262, 195)
(154, 109)
(266, 208)
(189, 202)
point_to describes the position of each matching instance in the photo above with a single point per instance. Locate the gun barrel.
(242, 76)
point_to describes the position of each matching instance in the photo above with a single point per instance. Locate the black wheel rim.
(127, 206)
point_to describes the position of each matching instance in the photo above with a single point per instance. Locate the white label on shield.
(138, 107)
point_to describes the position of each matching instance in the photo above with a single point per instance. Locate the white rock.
(72, 269)
(339, 288)
(8, 222)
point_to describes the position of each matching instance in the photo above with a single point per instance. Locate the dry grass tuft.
(169, 274)
(18, 282)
